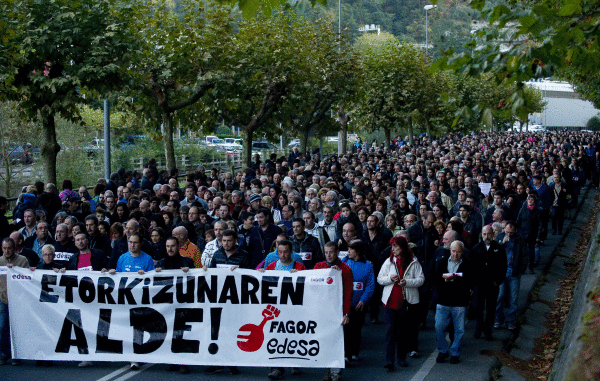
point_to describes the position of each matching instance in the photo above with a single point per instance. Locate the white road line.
(114, 374)
(426, 368)
(127, 376)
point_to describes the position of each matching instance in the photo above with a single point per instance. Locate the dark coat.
(308, 244)
(529, 223)
(98, 260)
(455, 293)
(489, 265)
(175, 262)
(520, 254)
(260, 241)
(240, 258)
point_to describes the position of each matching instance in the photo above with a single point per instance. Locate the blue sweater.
(364, 280)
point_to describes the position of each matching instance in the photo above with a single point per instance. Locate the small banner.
(214, 317)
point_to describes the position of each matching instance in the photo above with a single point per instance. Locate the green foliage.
(593, 124)
(55, 51)
(223, 131)
(181, 58)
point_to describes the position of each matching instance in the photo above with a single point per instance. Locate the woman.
(401, 276)
(363, 214)
(267, 202)
(381, 206)
(168, 218)
(440, 212)
(562, 195)
(403, 208)
(157, 241)
(122, 213)
(364, 287)
(390, 223)
(116, 233)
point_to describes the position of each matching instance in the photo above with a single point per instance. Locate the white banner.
(217, 317)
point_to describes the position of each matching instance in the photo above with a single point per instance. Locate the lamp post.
(427, 7)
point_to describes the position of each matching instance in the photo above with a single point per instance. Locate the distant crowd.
(448, 224)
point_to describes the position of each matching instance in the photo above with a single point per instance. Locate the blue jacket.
(363, 273)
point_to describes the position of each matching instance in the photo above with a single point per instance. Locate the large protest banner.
(214, 317)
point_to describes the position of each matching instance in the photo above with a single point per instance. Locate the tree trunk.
(168, 141)
(247, 159)
(303, 140)
(411, 138)
(428, 126)
(50, 147)
(343, 118)
(388, 136)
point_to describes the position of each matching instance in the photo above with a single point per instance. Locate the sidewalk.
(553, 268)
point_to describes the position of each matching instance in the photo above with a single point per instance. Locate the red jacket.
(297, 265)
(347, 281)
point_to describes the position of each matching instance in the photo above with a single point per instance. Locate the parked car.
(295, 142)
(17, 154)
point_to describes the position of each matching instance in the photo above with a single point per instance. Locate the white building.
(564, 109)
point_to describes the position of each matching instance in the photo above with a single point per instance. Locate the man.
(498, 205)
(211, 248)
(305, 245)
(40, 238)
(8, 259)
(254, 203)
(122, 245)
(86, 257)
(262, 236)
(274, 256)
(332, 261)
(287, 217)
(224, 213)
(97, 240)
(489, 265)
(454, 286)
(85, 196)
(328, 224)
(20, 249)
(229, 255)
(516, 258)
(377, 241)
(315, 230)
(190, 196)
(64, 247)
(469, 222)
(285, 262)
(424, 235)
(30, 224)
(111, 204)
(187, 248)
(133, 260)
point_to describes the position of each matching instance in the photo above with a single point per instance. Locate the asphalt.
(474, 365)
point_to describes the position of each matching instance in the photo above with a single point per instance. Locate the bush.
(593, 124)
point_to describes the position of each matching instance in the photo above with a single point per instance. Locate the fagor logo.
(21, 277)
(329, 280)
(254, 338)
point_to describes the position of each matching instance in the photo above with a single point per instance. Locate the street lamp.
(427, 7)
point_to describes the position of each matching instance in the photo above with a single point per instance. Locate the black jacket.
(49, 266)
(240, 258)
(259, 242)
(457, 292)
(175, 262)
(98, 260)
(520, 254)
(489, 265)
(308, 245)
(529, 223)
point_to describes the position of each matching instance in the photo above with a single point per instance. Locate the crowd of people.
(447, 225)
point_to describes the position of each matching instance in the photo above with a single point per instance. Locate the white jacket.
(414, 279)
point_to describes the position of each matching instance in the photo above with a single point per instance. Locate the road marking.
(114, 374)
(127, 376)
(426, 368)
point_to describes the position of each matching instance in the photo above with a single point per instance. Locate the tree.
(525, 100)
(332, 79)
(180, 59)
(55, 52)
(266, 59)
(393, 86)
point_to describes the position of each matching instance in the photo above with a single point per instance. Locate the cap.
(255, 197)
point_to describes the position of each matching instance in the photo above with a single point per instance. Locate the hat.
(74, 199)
(255, 197)
(422, 190)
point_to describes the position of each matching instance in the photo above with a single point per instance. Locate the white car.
(295, 142)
